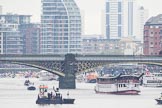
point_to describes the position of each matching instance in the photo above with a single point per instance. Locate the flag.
(147, 71)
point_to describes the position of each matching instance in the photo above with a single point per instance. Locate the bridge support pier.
(68, 82)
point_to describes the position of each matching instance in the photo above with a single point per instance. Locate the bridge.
(66, 66)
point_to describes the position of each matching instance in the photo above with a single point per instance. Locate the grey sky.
(92, 10)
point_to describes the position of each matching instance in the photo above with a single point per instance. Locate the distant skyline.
(92, 10)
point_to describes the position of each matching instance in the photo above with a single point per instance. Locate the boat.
(27, 83)
(91, 78)
(31, 87)
(159, 100)
(152, 79)
(46, 76)
(45, 97)
(120, 84)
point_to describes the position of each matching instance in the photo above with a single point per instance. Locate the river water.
(13, 94)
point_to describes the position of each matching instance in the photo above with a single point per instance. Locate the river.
(13, 94)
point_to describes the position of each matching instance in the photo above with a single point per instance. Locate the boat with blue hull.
(31, 87)
(57, 100)
(51, 98)
(159, 100)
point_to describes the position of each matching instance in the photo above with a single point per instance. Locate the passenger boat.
(159, 100)
(120, 84)
(44, 97)
(152, 80)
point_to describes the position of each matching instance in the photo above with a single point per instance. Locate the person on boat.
(49, 96)
(61, 97)
(160, 96)
(38, 96)
(68, 94)
(56, 91)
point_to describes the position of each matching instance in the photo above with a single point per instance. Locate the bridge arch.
(89, 68)
(40, 67)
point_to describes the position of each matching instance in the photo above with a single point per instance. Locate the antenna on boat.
(54, 88)
(68, 94)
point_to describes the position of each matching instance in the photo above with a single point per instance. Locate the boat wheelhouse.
(121, 84)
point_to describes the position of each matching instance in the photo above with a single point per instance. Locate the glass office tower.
(60, 27)
(114, 19)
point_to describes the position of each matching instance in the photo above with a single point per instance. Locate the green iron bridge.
(66, 66)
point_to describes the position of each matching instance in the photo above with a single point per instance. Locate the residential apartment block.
(153, 36)
(18, 35)
(60, 27)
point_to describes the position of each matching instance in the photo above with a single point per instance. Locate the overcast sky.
(92, 10)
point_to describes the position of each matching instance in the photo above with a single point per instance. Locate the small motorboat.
(27, 82)
(31, 87)
(50, 98)
(159, 100)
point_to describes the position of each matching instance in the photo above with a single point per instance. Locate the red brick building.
(153, 36)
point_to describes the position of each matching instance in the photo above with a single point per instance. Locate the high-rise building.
(103, 23)
(83, 22)
(1, 43)
(0, 9)
(114, 19)
(31, 37)
(130, 17)
(10, 33)
(121, 19)
(142, 18)
(152, 36)
(60, 27)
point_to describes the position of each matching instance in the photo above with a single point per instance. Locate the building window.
(107, 19)
(119, 19)
(156, 26)
(107, 7)
(119, 7)
(119, 31)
